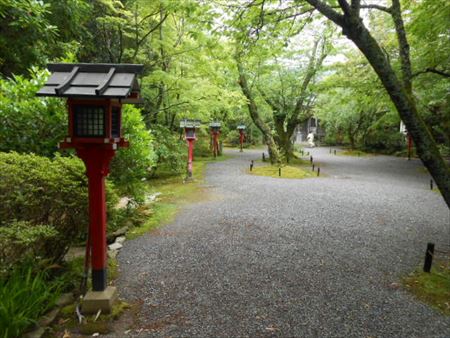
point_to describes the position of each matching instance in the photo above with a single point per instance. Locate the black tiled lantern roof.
(91, 80)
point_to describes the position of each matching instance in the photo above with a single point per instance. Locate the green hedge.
(41, 191)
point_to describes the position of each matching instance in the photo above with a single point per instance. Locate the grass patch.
(432, 288)
(355, 153)
(175, 192)
(24, 297)
(286, 172)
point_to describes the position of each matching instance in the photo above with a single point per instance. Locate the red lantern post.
(410, 143)
(215, 132)
(241, 129)
(95, 95)
(189, 132)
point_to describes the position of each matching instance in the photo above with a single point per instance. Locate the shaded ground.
(318, 257)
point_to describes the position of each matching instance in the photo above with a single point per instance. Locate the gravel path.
(269, 257)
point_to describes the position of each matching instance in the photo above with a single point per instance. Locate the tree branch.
(380, 8)
(345, 7)
(403, 46)
(355, 6)
(431, 70)
(326, 10)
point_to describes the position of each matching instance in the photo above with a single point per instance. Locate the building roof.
(91, 80)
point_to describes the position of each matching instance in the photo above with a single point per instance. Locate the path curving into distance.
(269, 257)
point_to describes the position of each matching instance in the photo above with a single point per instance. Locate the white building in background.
(312, 125)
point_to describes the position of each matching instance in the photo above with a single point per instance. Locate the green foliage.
(232, 138)
(24, 24)
(21, 241)
(29, 123)
(39, 191)
(131, 165)
(170, 151)
(25, 297)
(202, 147)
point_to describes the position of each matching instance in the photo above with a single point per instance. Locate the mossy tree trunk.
(254, 114)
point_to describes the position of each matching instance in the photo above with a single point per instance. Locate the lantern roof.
(241, 127)
(91, 80)
(215, 124)
(186, 123)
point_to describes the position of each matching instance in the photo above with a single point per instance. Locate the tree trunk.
(254, 114)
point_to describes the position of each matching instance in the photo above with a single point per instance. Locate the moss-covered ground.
(354, 153)
(298, 168)
(432, 288)
(175, 191)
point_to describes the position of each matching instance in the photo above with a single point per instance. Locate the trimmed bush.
(22, 241)
(38, 191)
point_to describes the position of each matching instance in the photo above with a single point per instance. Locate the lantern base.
(99, 300)
(99, 279)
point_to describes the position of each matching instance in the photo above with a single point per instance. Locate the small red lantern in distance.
(189, 127)
(215, 132)
(95, 94)
(241, 129)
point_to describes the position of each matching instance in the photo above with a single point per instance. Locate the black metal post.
(313, 167)
(279, 172)
(251, 166)
(311, 159)
(318, 171)
(335, 151)
(428, 257)
(431, 184)
(264, 157)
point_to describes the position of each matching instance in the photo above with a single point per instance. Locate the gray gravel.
(318, 257)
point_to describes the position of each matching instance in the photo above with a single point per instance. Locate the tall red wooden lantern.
(95, 94)
(215, 132)
(241, 129)
(189, 134)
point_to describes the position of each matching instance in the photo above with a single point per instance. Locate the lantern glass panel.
(89, 121)
(190, 133)
(115, 122)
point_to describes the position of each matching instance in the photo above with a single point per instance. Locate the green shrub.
(25, 296)
(39, 191)
(21, 241)
(202, 146)
(386, 140)
(170, 151)
(232, 138)
(131, 165)
(29, 123)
